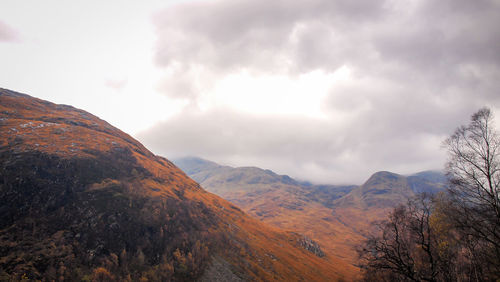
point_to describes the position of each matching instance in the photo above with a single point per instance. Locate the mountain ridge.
(336, 216)
(81, 199)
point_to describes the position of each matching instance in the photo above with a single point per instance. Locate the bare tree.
(388, 255)
(474, 172)
(474, 165)
(410, 246)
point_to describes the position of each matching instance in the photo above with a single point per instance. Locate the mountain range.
(81, 200)
(338, 217)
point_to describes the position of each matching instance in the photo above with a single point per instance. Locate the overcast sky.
(329, 91)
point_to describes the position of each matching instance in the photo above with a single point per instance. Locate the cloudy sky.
(324, 90)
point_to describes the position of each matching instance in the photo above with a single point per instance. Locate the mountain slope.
(81, 200)
(372, 201)
(383, 189)
(245, 186)
(337, 217)
(282, 202)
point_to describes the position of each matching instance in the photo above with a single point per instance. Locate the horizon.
(323, 91)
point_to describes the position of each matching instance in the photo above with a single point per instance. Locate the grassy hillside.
(80, 200)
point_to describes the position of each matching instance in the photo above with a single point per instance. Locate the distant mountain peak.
(386, 174)
(383, 177)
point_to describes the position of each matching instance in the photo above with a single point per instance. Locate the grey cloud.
(419, 69)
(258, 36)
(7, 33)
(245, 25)
(390, 105)
(304, 35)
(225, 35)
(317, 150)
(427, 45)
(180, 84)
(444, 33)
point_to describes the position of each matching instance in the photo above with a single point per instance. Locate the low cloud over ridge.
(416, 70)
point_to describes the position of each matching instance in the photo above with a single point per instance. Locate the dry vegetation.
(81, 200)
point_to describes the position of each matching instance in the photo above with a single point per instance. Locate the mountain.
(380, 194)
(253, 182)
(427, 181)
(80, 200)
(383, 189)
(280, 201)
(337, 217)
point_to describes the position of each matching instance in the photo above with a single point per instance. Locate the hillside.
(337, 217)
(81, 200)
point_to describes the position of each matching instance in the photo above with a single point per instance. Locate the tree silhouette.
(474, 171)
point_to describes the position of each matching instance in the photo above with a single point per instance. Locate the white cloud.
(326, 90)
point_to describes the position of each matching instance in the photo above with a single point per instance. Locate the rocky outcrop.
(310, 245)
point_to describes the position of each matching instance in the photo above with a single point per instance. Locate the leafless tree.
(410, 246)
(474, 172)
(389, 255)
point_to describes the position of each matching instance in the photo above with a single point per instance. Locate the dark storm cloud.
(418, 70)
(7, 33)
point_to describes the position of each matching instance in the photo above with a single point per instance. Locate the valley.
(337, 217)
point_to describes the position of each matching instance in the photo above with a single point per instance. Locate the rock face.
(81, 200)
(311, 246)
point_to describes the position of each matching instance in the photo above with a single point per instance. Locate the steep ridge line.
(81, 200)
